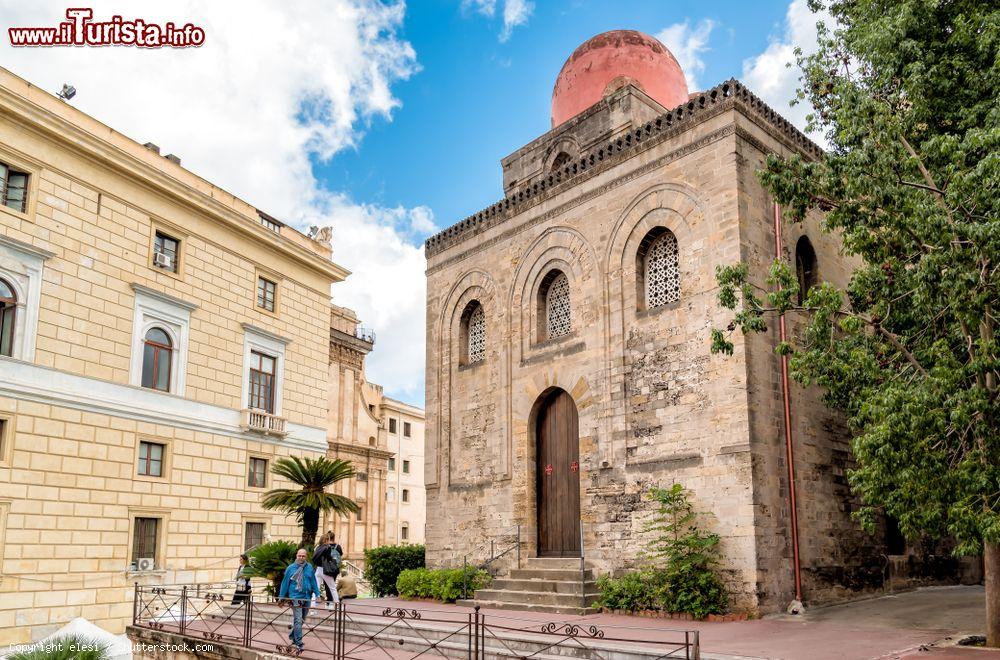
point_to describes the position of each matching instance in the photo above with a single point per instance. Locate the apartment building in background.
(405, 498)
(161, 342)
(384, 440)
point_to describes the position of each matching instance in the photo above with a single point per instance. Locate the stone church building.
(568, 334)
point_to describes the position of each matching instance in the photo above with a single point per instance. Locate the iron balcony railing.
(365, 334)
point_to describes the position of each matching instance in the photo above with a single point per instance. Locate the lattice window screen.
(557, 307)
(663, 279)
(477, 335)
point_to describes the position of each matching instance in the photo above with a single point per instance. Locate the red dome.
(610, 60)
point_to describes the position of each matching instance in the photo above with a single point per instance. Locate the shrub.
(689, 554)
(445, 584)
(269, 561)
(681, 578)
(639, 590)
(70, 647)
(384, 564)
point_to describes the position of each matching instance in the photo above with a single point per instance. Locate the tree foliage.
(269, 561)
(306, 503)
(905, 92)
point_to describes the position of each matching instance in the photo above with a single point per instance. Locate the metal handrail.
(493, 556)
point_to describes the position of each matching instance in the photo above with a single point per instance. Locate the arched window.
(156, 357)
(805, 267)
(554, 306)
(657, 269)
(561, 160)
(473, 335)
(404, 532)
(8, 311)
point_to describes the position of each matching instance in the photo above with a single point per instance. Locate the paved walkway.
(899, 626)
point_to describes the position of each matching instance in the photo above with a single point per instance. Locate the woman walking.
(327, 558)
(243, 589)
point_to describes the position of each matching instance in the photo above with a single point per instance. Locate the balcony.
(258, 421)
(366, 335)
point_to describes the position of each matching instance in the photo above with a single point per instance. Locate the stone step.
(563, 587)
(547, 609)
(537, 597)
(564, 563)
(556, 574)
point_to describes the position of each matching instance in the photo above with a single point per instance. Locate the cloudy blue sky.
(384, 120)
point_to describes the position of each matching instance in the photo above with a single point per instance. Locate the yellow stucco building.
(163, 342)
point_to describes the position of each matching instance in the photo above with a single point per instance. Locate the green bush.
(71, 647)
(384, 564)
(639, 590)
(680, 578)
(269, 561)
(446, 584)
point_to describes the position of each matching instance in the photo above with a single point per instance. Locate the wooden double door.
(558, 476)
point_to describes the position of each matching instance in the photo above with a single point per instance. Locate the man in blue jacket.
(297, 589)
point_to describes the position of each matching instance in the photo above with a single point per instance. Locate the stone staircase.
(543, 584)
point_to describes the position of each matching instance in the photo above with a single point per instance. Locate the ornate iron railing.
(357, 630)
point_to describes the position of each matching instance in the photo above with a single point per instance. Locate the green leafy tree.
(906, 93)
(306, 503)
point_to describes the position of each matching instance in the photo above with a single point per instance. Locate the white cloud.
(389, 287)
(688, 44)
(484, 7)
(515, 13)
(274, 85)
(768, 74)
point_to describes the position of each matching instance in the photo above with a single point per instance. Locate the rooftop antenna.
(68, 92)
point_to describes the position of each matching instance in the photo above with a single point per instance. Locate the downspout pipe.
(796, 606)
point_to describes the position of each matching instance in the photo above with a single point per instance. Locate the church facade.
(568, 334)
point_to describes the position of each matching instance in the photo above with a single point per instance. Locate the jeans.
(300, 610)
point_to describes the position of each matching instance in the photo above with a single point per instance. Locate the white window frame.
(21, 265)
(271, 345)
(154, 309)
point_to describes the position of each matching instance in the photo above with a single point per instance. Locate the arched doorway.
(557, 456)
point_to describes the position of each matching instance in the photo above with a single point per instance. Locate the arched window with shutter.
(555, 309)
(658, 270)
(8, 313)
(156, 358)
(473, 334)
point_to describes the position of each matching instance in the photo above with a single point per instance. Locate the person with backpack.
(327, 557)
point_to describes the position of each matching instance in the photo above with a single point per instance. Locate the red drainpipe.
(789, 458)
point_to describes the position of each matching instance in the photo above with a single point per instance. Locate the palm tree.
(314, 475)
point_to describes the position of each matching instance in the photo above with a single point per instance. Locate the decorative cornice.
(72, 136)
(249, 327)
(15, 244)
(163, 297)
(588, 195)
(31, 382)
(729, 94)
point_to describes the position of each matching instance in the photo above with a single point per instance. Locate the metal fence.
(363, 630)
